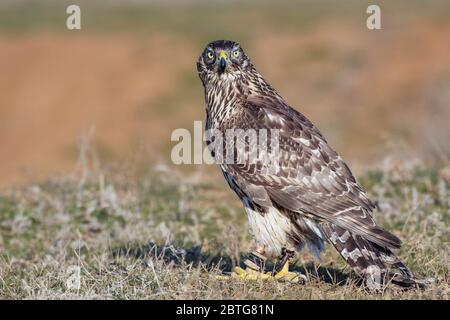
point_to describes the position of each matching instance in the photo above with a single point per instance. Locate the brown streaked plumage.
(311, 196)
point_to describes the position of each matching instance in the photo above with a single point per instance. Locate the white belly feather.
(270, 230)
(273, 231)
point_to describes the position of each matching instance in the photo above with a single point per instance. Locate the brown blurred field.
(130, 74)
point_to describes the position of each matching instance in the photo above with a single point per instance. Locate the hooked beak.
(222, 61)
(222, 65)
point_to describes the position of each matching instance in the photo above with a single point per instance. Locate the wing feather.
(310, 178)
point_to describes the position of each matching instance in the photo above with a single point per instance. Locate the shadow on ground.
(180, 257)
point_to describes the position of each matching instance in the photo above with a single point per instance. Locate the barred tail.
(372, 262)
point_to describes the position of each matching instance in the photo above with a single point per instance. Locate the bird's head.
(222, 59)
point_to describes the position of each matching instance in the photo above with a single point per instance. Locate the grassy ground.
(164, 235)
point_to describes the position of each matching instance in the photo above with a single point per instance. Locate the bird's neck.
(220, 99)
(258, 86)
(224, 95)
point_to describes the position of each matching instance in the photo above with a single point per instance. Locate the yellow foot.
(252, 275)
(285, 275)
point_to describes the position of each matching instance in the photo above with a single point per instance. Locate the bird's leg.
(283, 262)
(256, 261)
(281, 269)
(255, 268)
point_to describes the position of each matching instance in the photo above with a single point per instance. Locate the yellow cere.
(223, 55)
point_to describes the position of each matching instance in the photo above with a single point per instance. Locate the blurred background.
(128, 78)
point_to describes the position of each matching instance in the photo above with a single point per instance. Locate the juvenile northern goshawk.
(310, 197)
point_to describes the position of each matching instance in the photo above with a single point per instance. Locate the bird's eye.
(210, 55)
(236, 53)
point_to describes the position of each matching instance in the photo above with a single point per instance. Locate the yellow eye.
(210, 55)
(236, 53)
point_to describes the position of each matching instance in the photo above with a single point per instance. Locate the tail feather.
(372, 262)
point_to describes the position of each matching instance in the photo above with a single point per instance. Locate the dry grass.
(166, 235)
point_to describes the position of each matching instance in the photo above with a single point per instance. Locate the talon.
(255, 269)
(251, 274)
(255, 261)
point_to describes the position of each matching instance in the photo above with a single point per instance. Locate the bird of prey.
(309, 196)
